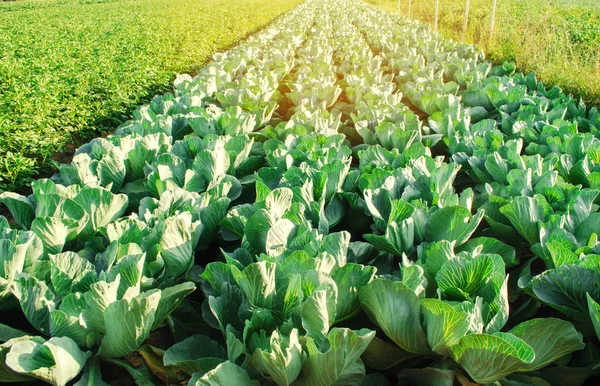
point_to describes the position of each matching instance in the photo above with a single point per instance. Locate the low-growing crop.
(346, 198)
(558, 39)
(81, 72)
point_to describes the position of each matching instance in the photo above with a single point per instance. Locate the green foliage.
(558, 39)
(75, 78)
(284, 218)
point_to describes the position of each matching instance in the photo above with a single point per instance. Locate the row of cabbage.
(98, 256)
(532, 154)
(292, 184)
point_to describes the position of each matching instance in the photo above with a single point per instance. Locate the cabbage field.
(73, 70)
(345, 198)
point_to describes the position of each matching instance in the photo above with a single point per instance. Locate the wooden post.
(398, 7)
(466, 21)
(409, 7)
(437, 10)
(492, 17)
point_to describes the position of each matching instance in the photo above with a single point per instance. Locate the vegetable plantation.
(71, 70)
(558, 39)
(345, 198)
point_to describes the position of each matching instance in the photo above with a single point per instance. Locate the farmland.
(68, 79)
(558, 39)
(345, 198)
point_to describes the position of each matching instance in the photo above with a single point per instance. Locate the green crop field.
(71, 70)
(558, 39)
(343, 198)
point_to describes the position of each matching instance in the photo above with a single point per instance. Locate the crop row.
(343, 173)
(78, 77)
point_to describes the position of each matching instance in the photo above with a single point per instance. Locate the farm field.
(345, 198)
(558, 39)
(83, 70)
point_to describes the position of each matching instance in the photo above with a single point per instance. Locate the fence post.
(409, 7)
(437, 10)
(466, 21)
(492, 17)
(398, 7)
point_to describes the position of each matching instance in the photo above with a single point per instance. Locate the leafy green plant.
(288, 217)
(76, 79)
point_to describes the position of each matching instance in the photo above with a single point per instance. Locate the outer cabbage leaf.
(227, 373)
(128, 324)
(524, 213)
(102, 207)
(37, 302)
(565, 289)
(257, 282)
(6, 373)
(54, 232)
(340, 364)
(453, 223)
(318, 313)
(177, 243)
(395, 309)
(445, 326)
(464, 278)
(349, 279)
(196, 353)
(489, 358)
(71, 273)
(550, 339)
(488, 245)
(594, 309)
(20, 207)
(56, 361)
(170, 299)
(283, 361)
